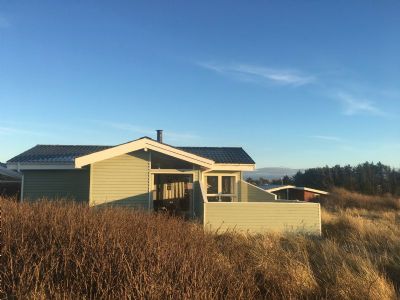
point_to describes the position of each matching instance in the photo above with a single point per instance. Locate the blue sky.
(296, 83)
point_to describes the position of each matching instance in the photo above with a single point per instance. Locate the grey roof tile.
(55, 153)
(223, 155)
(67, 154)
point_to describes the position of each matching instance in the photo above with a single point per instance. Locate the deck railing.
(262, 217)
(252, 193)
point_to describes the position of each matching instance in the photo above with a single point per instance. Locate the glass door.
(221, 188)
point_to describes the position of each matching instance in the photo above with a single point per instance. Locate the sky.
(296, 83)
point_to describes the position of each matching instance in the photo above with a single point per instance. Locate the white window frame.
(219, 194)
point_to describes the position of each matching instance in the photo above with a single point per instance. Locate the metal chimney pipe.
(159, 135)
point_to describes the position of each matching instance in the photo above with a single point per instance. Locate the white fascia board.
(312, 190)
(39, 166)
(297, 188)
(284, 187)
(233, 167)
(142, 144)
(183, 155)
(108, 153)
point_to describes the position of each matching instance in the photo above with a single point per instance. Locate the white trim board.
(144, 143)
(234, 167)
(285, 187)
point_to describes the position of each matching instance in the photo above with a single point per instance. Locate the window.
(221, 188)
(212, 184)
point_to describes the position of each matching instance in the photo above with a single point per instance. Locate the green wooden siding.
(56, 184)
(263, 217)
(122, 181)
(251, 193)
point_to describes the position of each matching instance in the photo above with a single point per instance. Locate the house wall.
(56, 184)
(121, 181)
(251, 193)
(295, 194)
(259, 217)
(310, 196)
(284, 195)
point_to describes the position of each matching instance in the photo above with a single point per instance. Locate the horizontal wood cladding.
(121, 181)
(250, 193)
(56, 184)
(263, 217)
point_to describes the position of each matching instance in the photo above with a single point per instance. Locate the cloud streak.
(12, 131)
(354, 106)
(261, 74)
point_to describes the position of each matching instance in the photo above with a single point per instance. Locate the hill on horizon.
(271, 172)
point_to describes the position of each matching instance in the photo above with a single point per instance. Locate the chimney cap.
(159, 135)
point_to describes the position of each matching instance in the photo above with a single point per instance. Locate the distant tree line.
(264, 181)
(367, 178)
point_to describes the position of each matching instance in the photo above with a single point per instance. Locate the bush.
(63, 250)
(341, 198)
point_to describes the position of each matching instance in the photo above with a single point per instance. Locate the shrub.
(64, 250)
(341, 198)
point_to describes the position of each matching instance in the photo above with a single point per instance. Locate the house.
(10, 181)
(203, 183)
(291, 192)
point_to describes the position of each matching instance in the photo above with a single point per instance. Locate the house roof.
(9, 173)
(68, 153)
(221, 155)
(274, 188)
(55, 153)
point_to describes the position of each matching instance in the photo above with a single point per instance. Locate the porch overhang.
(234, 167)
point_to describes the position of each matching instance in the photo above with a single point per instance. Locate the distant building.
(10, 181)
(291, 192)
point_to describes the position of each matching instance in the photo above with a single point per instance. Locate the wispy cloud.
(170, 135)
(13, 131)
(327, 138)
(354, 105)
(261, 74)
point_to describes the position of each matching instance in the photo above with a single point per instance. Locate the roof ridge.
(74, 145)
(236, 147)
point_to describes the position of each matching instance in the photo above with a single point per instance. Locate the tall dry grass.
(341, 198)
(61, 250)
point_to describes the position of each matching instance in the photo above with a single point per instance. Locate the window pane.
(227, 184)
(226, 199)
(213, 199)
(212, 184)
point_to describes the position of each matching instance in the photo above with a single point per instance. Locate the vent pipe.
(159, 135)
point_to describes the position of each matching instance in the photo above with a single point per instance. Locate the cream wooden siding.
(56, 184)
(122, 180)
(263, 217)
(251, 193)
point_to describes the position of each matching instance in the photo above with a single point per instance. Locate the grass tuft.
(64, 250)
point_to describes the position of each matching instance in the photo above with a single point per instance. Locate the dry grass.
(341, 198)
(53, 250)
